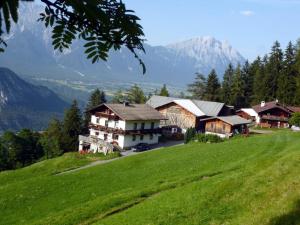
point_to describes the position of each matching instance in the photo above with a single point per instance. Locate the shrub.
(189, 135)
(208, 138)
(295, 119)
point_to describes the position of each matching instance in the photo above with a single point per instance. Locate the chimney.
(262, 104)
(126, 103)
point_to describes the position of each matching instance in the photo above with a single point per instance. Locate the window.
(115, 136)
(133, 137)
(106, 123)
(152, 125)
(142, 126)
(224, 127)
(116, 124)
(97, 120)
(96, 133)
(105, 137)
(212, 125)
(135, 126)
(151, 136)
(142, 137)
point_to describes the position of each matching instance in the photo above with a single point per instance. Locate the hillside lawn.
(247, 181)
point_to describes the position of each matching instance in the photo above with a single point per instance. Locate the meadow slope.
(245, 181)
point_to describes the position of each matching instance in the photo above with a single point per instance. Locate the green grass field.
(246, 181)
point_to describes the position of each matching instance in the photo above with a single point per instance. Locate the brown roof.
(133, 111)
(269, 105)
(294, 108)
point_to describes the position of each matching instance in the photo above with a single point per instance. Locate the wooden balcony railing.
(275, 118)
(124, 132)
(106, 115)
(215, 130)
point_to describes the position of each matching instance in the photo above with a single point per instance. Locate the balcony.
(106, 115)
(275, 118)
(215, 130)
(124, 132)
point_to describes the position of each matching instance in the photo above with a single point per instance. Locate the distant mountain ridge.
(23, 105)
(30, 53)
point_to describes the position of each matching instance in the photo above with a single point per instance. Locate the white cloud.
(247, 13)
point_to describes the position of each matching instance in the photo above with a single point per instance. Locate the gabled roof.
(197, 107)
(156, 101)
(268, 106)
(209, 108)
(190, 106)
(132, 111)
(232, 120)
(294, 108)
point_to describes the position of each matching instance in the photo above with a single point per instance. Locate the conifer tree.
(212, 90)
(72, 127)
(51, 140)
(287, 79)
(227, 84)
(97, 98)
(136, 95)
(164, 91)
(297, 76)
(273, 71)
(198, 88)
(238, 97)
(248, 80)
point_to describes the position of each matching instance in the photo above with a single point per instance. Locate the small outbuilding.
(226, 126)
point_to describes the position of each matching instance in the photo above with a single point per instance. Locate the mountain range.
(30, 53)
(23, 105)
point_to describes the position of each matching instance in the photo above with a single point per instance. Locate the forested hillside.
(275, 76)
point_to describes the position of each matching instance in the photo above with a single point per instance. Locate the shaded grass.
(223, 183)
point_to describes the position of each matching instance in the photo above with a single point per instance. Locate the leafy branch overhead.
(102, 24)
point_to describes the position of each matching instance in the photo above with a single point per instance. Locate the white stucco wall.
(128, 142)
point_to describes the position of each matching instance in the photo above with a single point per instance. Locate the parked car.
(141, 147)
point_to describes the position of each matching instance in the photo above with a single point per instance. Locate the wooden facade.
(224, 129)
(275, 117)
(177, 115)
(245, 115)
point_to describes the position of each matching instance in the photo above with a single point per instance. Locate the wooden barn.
(226, 126)
(186, 113)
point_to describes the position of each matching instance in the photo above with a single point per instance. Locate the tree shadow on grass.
(291, 218)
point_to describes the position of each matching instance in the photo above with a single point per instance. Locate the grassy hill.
(243, 181)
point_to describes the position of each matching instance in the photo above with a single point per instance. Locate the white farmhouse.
(123, 125)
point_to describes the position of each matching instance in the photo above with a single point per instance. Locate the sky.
(250, 26)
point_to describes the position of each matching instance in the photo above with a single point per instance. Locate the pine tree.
(97, 98)
(238, 98)
(227, 84)
(136, 95)
(273, 71)
(248, 80)
(198, 88)
(212, 90)
(72, 127)
(297, 76)
(287, 79)
(164, 91)
(51, 140)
